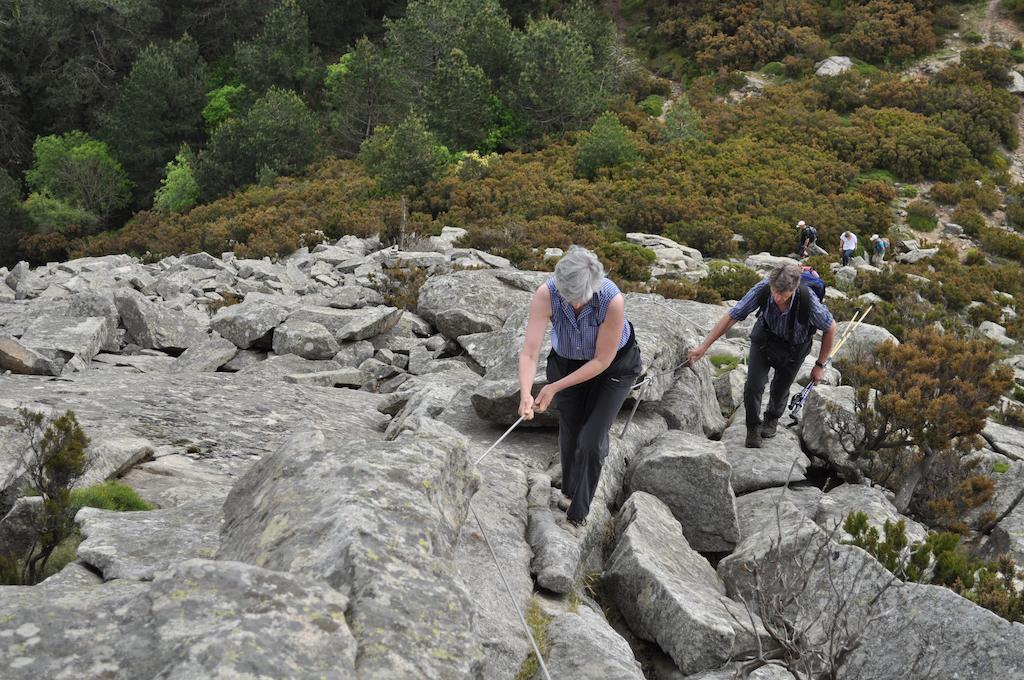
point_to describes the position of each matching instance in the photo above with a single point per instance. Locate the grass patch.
(907, 191)
(877, 175)
(723, 363)
(109, 496)
(921, 222)
(538, 622)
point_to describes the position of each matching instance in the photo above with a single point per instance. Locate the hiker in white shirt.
(847, 244)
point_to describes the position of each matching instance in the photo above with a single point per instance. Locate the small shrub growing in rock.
(921, 216)
(53, 460)
(681, 289)
(940, 560)
(401, 287)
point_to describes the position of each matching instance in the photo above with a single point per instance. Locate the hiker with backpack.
(807, 237)
(878, 247)
(593, 363)
(790, 309)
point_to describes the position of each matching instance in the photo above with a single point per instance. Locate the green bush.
(972, 37)
(774, 68)
(1015, 215)
(49, 215)
(627, 261)
(1003, 243)
(908, 191)
(968, 217)
(730, 280)
(609, 144)
(710, 238)
(178, 190)
(974, 257)
(109, 496)
(652, 104)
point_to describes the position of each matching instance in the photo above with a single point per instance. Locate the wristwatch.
(819, 364)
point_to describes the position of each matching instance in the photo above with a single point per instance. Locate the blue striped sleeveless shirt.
(575, 337)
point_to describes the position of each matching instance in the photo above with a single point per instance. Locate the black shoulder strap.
(803, 309)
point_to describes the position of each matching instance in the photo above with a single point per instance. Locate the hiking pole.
(797, 402)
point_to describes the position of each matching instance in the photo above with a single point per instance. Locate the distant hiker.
(806, 238)
(847, 244)
(593, 363)
(878, 247)
(789, 309)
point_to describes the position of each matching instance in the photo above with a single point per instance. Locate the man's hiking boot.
(769, 427)
(574, 527)
(564, 502)
(753, 438)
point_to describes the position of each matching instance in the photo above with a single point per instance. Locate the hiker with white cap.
(807, 236)
(593, 363)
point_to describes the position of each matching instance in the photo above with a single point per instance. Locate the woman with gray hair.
(593, 363)
(788, 315)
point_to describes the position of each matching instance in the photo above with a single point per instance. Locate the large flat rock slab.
(136, 545)
(224, 420)
(199, 619)
(382, 530)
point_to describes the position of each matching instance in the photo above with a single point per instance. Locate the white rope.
(494, 556)
(514, 425)
(515, 605)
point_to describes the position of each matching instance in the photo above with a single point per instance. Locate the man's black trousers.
(585, 415)
(767, 351)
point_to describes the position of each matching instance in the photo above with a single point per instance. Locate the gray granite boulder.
(306, 339)
(555, 551)
(472, 301)
(833, 66)
(18, 358)
(154, 326)
(207, 355)
(280, 625)
(863, 340)
(1004, 439)
(829, 427)
(729, 390)
(349, 324)
(692, 477)
(64, 338)
(249, 323)
(582, 645)
(669, 594)
(90, 303)
(779, 459)
(382, 532)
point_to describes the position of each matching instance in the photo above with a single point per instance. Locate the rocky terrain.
(315, 456)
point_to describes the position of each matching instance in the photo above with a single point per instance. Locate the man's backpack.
(810, 234)
(810, 283)
(880, 246)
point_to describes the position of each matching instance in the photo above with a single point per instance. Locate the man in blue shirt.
(788, 317)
